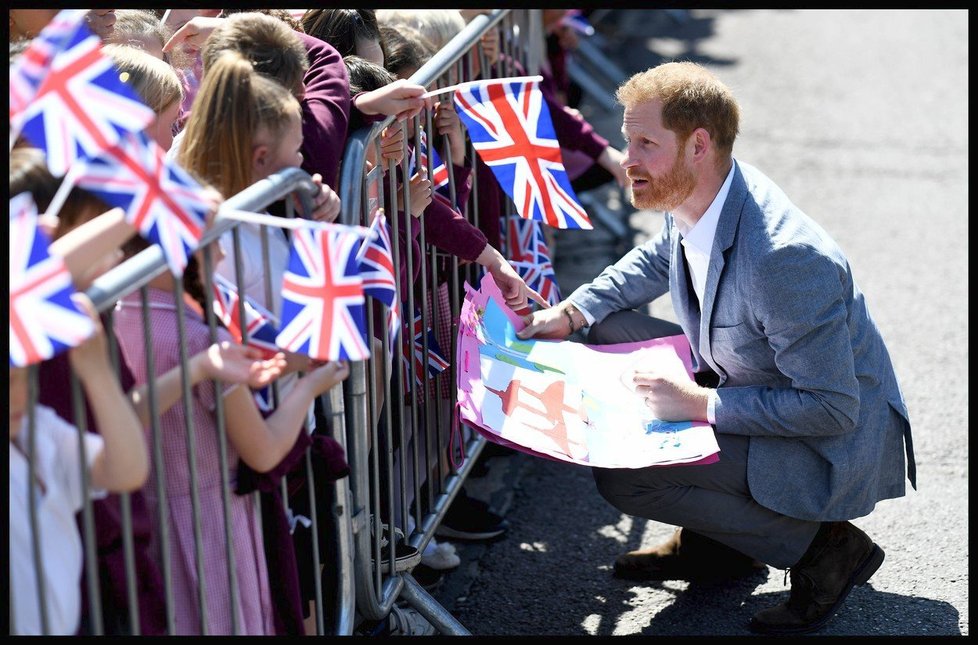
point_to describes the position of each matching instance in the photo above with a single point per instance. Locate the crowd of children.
(238, 95)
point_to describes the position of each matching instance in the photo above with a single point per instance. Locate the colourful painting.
(565, 400)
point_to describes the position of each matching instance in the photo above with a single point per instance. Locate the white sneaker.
(441, 556)
(406, 621)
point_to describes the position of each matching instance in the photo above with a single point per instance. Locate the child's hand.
(420, 188)
(102, 22)
(446, 122)
(91, 357)
(490, 45)
(326, 374)
(326, 205)
(192, 34)
(399, 98)
(233, 363)
(392, 144)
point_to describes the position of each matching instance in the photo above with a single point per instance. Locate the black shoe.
(405, 556)
(839, 557)
(470, 519)
(427, 577)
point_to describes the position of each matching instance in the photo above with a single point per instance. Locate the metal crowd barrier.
(402, 477)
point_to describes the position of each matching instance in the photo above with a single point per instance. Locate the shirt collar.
(701, 235)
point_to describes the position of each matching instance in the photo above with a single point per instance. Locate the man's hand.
(671, 395)
(549, 323)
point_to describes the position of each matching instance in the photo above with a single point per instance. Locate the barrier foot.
(427, 606)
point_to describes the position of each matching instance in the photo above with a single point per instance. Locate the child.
(259, 443)
(88, 239)
(156, 83)
(117, 461)
(245, 127)
(140, 28)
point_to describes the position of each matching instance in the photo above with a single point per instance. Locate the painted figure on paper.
(552, 398)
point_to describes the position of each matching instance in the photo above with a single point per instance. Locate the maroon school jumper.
(54, 378)
(325, 110)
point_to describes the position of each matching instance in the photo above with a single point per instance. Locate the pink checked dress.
(253, 608)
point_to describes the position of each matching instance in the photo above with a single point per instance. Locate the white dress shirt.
(697, 244)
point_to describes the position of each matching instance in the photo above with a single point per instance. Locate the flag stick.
(67, 183)
(452, 88)
(290, 222)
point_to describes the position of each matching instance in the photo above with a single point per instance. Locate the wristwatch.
(569, 311)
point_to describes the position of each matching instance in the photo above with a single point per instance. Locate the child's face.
(18, 399)
(277, 153)
(162, 128)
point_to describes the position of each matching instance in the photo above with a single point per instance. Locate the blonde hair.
(273, 47)
(156, 82)
(439, 26)
(692, 97)
(233, 103)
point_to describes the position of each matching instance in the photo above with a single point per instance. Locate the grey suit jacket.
(803, 370)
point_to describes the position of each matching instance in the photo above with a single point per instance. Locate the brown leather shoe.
(687, 555)
(839, 557)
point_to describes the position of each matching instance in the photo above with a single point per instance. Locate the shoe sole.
(863, 573)
(448, 532)
(402, 563)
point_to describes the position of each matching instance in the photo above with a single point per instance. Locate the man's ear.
(701, 143)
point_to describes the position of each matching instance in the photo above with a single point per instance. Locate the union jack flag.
(44, 320)
(376, 265)
(510, 127)
(436, 362)
(81, 107)
(160, 198)
(525, 239)
(259, 323)
(322, 297)
(530, 256)
(28, 71)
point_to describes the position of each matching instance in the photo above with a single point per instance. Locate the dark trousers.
(714, 499)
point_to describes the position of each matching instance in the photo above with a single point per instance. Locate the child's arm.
(263, 443)
(227, 362)
(123, 464)
(401, 98)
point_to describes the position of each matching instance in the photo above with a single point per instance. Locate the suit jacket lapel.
(722, 241)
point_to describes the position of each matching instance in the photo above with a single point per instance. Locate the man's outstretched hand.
(550, 324)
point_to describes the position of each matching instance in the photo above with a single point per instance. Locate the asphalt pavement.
(861, 116)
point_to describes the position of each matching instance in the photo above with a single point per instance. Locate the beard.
(665, 193)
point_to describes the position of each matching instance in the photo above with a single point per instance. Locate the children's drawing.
(564, 400)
